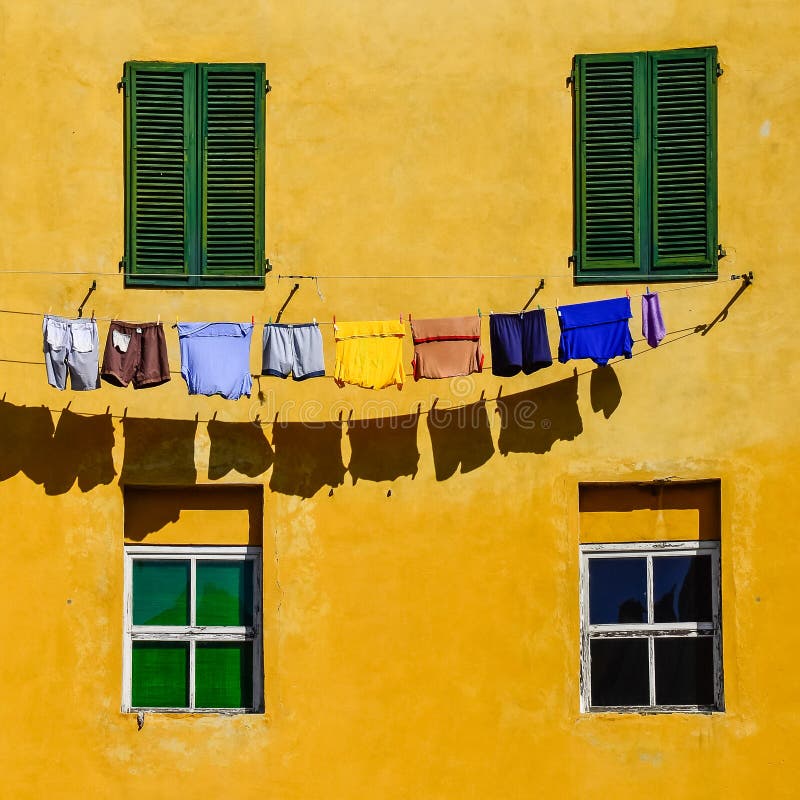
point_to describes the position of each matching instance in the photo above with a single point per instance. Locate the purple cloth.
(653, 328)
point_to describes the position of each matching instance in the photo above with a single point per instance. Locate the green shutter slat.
(610, 123)
(160, 168)
(683, 162)
(232, 214)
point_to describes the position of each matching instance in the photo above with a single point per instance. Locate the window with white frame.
(651, 636)
(193, 629)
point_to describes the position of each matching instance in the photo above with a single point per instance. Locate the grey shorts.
(71, 346)
(293, 348)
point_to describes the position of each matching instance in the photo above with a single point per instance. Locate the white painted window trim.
(193, 633)
(653, 630)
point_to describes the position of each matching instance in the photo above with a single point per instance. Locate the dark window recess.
(194, 174)
(617, 590)
(620, 672)
(646, 165)
(684, 668)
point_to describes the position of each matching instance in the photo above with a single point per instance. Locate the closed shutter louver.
(232, 211)
(609, 153)
(161, 169)
(683, 163)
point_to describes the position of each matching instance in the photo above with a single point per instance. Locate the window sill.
(660, 277)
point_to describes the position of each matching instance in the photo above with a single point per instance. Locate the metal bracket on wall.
(88, 294)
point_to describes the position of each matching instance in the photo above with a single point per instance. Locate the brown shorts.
(135, 352)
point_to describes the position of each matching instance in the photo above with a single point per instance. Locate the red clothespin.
(628, 293)
(401, 317)
(252, 319)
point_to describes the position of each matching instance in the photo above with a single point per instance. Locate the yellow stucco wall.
(422, 643)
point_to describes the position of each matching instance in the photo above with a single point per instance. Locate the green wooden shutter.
(683, 160)
(161, 169)
(232, 98)
(610, 138)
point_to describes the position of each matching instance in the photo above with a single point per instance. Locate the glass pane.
(620, 672)
(685, 671)
(224, 593)
(160, 675)
(160, 592)
(224, 675)
(617, 590)
(682, 589)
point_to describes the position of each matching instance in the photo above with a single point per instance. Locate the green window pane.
(225, 593)
(224, 675)
(160, 592)
(160, 675)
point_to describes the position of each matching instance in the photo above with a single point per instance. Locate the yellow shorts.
(369, 354)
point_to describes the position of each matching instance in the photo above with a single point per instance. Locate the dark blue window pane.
(684, 671)
(617, 590)
(620, 672)
(682, 589)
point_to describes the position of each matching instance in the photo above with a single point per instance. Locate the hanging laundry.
(71, 346)
(653, 328)
(215, 357)
(597, 330)
(135, 352)
(369, 354)
(446, 348)
(519, 343)
(293, 348)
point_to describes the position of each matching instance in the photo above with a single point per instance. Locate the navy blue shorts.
(519, 343)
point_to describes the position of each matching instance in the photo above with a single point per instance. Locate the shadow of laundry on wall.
(158, 451)
(605, 391)
(26, 433)
(81, 450)
(383, 448)
(308, 456)
(460, 437)
(239, 446)
(533, 421)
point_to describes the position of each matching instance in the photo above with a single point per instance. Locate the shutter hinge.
(267, 87)
(719, 70)
(122, 84)
(267, 266)
(571, 79)
(721, 252)
(123, 264)
(573, 259)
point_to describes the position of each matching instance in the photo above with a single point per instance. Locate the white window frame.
(193, 633)
(651, 629)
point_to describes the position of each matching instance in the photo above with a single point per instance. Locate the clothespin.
(252, 319)
(314, 320)
(538, 307)
(479, 313)
(270, 320)
(401, 317)
(158, 321)
(334, 323)
(648, 289)
(409, 317)
(628, 293)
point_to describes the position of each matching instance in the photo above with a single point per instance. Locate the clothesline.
(685, 332)
(490, 312)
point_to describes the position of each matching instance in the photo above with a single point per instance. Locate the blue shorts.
(293, 348)
(215, 357)
(597, 330)
(519, 342)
